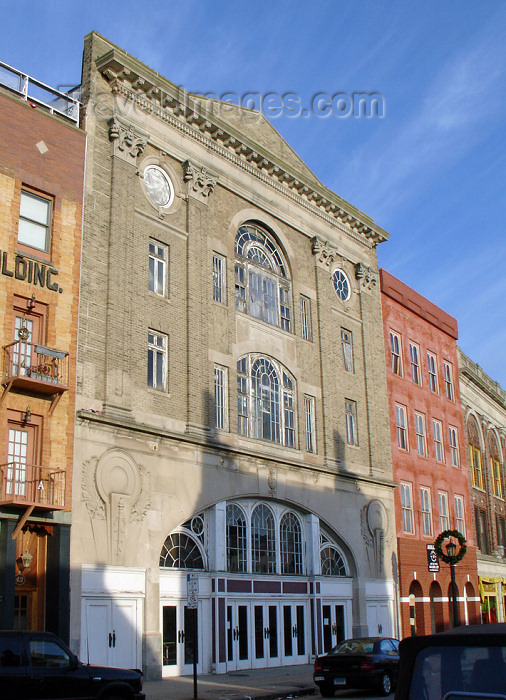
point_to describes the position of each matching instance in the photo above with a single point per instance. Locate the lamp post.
(451, 549)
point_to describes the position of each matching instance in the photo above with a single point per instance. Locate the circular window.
(341, 285)
(158, 186)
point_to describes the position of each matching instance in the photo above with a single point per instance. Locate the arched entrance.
(436, 608)
(416, 611)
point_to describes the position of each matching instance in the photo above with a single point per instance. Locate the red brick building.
(42, 153)
(429, 458)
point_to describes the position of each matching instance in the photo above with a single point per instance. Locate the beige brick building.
(232, 420)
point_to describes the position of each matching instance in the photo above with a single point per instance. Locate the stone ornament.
(366, 275)
(374, 527)
(325, 252)
(128, 143)
(200, 182)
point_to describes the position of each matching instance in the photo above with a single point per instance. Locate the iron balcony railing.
(34, 367)
(29, 485)
(39, 94)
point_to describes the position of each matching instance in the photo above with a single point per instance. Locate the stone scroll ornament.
(200, 182)
(127, 142)
(374, 526)
(438, 546)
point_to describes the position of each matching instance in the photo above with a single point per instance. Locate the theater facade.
(233, 494)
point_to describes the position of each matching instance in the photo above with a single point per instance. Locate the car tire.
(385, 684)
(327, 691)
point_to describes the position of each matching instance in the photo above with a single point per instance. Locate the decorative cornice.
(474, 373)
(200, 182)
(128, 142)
(188, 114)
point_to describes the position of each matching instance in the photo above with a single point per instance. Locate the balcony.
(35, 368)
(32, 486)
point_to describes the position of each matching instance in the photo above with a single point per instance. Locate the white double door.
(261, 634)
(181, 638)
(110, 635)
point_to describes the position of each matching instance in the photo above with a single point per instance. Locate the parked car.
(466, 662)
(362, 663)
(39, 666)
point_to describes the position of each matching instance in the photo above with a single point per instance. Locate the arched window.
(266, 400)
(180, 551)
(475, 461)
(332, 562)
(262, 285)
(263, 545)
(236, 539)
(495, 466)
(291, 544)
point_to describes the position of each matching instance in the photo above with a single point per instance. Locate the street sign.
(192, 590)
(432, 558)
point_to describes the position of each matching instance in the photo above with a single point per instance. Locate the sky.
(430, 170)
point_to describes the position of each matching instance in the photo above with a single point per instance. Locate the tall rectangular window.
(495, 470)
(421, 442)
(242, 397)
(448, 374)
(34, 226)
(501, 532)
(347, 346)
(309, 418)
(219, 278)
(395, 349)
(444, 521)
(459, 514)
(475, 464)
(414, 356)
(402, 430)
(432, 368)
(454, 446)
(425, 500)
(158, 259)
(481, 530)
(407, 508)
(220, 398)
(157, 360)
(350, 412)
(305, 318)
(438, 440)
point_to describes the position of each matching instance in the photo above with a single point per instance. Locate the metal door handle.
(114, 638)
(110, 640)
(180, 636)
(295, 631)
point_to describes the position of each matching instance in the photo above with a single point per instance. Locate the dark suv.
(39, 666)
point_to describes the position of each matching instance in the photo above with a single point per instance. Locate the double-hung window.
(347, 347)
(402, 430)
(414, 356)
(350, 411)
(157, 360)
(34, 227)
(220, 398)
(448, 375)
(219, 278)
(309, 419)
(425, 500)
(476, 468)
(454, 446)
(438, 440)
(395, 350)
(407, 508)
(305, 318)
(158, 264)
(432, 368)
(421, 442)
(459, 514)
(444, 521)
(495, 469)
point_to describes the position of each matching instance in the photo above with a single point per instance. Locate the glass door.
(266, 635)
(294, 633)
(333, 625)
(180, 642)
(238, 641)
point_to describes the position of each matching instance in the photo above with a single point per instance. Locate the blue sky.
(431, 171)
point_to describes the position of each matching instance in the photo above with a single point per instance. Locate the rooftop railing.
(39, 94)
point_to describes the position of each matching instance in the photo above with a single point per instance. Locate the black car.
(362, 663)
(467, 662)
(39, 666)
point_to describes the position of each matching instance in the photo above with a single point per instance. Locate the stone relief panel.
(324, 251)
(116, 489)
(200, 182)
(128, 143)
(374, 527)
(366, 276)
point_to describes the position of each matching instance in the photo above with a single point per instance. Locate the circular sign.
(20, 579)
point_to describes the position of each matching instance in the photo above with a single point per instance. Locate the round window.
(158, 186)
(341, 285)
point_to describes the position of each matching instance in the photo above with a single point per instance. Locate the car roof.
(28, 633)
(475, 635)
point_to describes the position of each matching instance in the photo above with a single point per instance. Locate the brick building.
(484, 404)
(428, 457)
(231, 392)
(41, 186)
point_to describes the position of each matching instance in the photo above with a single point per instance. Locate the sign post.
(192, 601)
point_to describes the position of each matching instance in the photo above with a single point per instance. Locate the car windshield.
(354, 646)
(459, 672)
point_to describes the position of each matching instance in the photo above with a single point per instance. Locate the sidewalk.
(266, 683)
